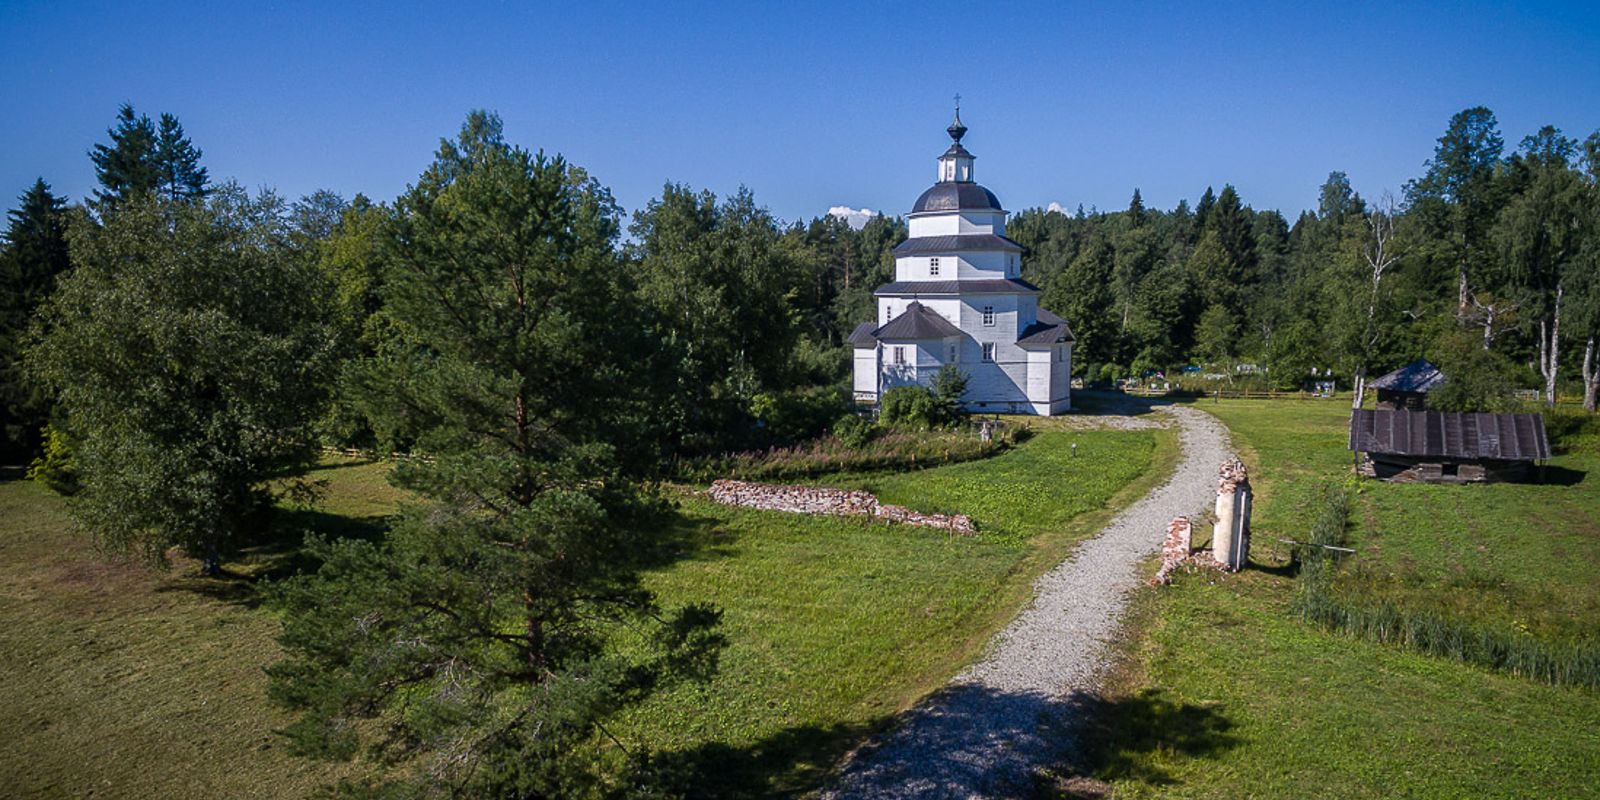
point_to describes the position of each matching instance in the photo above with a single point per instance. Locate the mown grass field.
(123, 681)
(1226, 694)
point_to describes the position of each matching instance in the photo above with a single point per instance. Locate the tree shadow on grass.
(1137, 738)
(277, 551)
(790, 763)
(967, 739)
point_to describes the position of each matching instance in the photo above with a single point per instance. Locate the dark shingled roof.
(1443, 434)
(951, 244)
(862, 335)
(994, 286)
(1048, 329)
(1418, 376)
(916, 322)
(956, 196)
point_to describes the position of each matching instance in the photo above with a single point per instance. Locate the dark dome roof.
(956, 196)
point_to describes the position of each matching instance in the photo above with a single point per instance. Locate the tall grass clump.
(892, 449)
(1320, 602)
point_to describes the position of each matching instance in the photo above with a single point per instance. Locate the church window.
(988, 351)
(900, 355)
(952, 358)
(933, 267)
(888, 313)
(988, 316)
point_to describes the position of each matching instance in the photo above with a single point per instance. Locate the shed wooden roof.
(1419, 376)
(1443, 434)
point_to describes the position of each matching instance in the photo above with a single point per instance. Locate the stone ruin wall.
(831, 502)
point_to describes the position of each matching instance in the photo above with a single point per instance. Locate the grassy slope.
(127, 682)
(123, 681)
(1227, 696)
(835, 625)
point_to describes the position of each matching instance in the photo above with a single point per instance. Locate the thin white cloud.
(1056, 207)
(855, 217)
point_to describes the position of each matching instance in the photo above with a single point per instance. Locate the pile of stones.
(831, 502)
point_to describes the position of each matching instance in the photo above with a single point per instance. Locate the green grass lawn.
(123, 681)
(1226, 694)
(835, 625)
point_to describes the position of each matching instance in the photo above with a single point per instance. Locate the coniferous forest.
(176, 350)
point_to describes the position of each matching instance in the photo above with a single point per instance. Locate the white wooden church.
(958, 298)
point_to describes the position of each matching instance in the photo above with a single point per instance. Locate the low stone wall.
(831, 502)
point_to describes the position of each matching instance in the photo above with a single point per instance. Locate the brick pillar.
(1230, 539)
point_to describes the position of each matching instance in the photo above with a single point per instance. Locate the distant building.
(958, 298)
(1408, 386)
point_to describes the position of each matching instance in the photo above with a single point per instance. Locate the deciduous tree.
(189, 356)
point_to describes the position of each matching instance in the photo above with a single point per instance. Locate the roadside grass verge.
(1224, 691)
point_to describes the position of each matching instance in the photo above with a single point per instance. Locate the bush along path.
(1014, 711)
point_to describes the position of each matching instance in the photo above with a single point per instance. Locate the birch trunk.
(1549, 350)
(1360, 387)
(1591, 375)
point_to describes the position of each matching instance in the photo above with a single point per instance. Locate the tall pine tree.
(489, 638)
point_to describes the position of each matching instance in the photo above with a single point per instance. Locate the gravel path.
(985, 734)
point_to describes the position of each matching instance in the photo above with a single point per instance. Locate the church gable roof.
(1048, 329)
(862, 335)
(917, 322)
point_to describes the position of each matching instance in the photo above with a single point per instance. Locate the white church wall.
(949, 308)
(970, 265)
(1039, 369)
(866, 370)
(933, 223)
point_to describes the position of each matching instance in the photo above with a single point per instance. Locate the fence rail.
(1229, 394)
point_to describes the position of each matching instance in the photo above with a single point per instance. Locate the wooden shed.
(1446, 447)
(1408, 386)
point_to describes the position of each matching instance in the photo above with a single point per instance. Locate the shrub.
(56, 468)
(854, 431)
(949, 386)
(910, 407)
(799, 415)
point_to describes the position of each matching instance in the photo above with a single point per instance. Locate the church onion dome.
(965, 242)
(1047, 329)
(956, 196)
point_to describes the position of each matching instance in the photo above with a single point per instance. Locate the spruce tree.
(35, 253)
(127, 165)
(485, 643)
(177, 162)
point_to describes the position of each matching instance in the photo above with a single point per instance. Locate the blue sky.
(810, 105)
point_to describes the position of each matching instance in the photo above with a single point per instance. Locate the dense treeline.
(173, 351)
